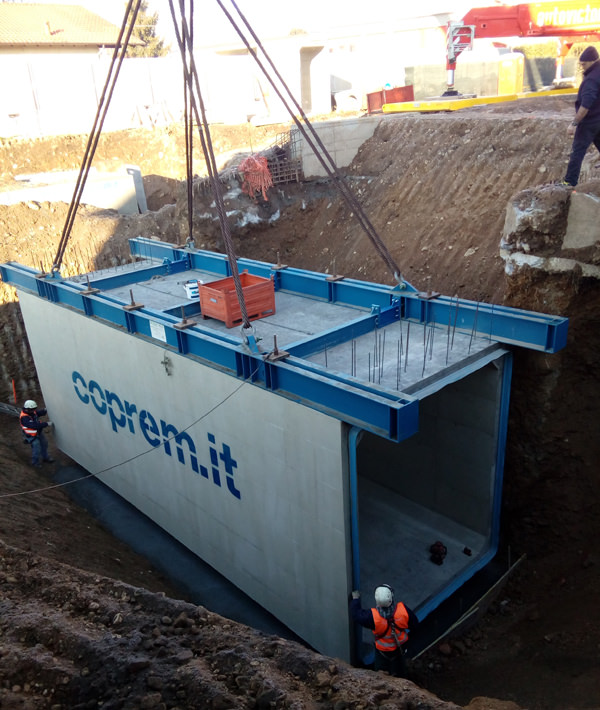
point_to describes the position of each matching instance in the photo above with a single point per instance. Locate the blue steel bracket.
(50, 275)
(251, 342)
(403, 286)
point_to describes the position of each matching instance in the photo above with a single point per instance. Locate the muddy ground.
(436, 188)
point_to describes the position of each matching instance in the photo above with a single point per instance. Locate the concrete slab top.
(405, 356)
(296, 317)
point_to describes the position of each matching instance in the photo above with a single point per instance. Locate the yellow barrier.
(458, 103)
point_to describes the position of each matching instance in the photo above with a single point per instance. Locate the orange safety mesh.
(256, 175)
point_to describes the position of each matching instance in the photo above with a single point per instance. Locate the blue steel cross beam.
(511, 326)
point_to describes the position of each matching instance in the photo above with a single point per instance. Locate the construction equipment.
(568, 21)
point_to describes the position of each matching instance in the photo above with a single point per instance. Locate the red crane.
(567, 21)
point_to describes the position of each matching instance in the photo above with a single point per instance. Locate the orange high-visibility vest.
(385, 630)
(27, 430)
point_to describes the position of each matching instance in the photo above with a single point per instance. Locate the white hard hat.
(384, 596)
(30, 404)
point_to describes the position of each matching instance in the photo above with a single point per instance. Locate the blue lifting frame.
(393, 415)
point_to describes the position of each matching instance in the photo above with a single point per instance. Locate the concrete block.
(583, 222)
(342, 139)
(122, 191)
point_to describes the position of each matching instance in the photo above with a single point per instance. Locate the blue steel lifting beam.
(393, 415)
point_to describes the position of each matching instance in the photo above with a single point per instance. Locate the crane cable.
(119, 52)
(321, 153)
(191, 76)
(189, 134)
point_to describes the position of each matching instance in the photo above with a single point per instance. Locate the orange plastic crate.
(219, 300)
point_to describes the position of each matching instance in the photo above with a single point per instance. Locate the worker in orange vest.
(33, 433)
(390, 623)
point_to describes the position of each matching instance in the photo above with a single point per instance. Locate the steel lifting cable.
(205, 139)
(189, 133)
(94, 136)
(331, 169)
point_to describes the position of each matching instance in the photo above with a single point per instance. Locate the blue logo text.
(125, 415)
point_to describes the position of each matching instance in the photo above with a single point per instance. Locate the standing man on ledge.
(390, 623)
(585, 127)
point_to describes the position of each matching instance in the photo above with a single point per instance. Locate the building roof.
(41, 25)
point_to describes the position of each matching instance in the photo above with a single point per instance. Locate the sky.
(278, 17)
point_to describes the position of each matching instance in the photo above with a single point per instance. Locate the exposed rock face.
(536, 220)
(555, 229)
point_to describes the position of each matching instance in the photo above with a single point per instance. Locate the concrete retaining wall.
(122, 191)
(342, 139)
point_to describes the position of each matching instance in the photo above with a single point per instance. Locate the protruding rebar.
(381, 354)
(432, 334)
(428, 348)
(448, 335)
(401, 339)
(474, 329)
(455, 319)
(407, 342)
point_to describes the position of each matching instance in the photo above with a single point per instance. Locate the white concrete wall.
(284, 540)
(115, 190)
(449, 466)
(342, 139)
(59, 94)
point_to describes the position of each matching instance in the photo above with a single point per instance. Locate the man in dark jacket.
(390, 623)
(585, 127)
(33, 432)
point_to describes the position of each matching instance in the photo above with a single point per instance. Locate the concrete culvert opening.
(443, 484)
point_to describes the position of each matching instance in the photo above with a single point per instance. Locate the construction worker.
(390, 623)
(33, 432)
(585, 127)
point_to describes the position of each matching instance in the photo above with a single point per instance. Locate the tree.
(145, 29)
